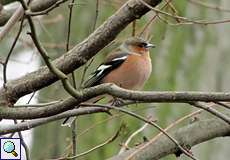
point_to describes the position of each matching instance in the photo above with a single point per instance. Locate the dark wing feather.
(112, 62)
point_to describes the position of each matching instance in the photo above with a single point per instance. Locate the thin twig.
(80, 54)
(96, 14)
(40, 121)
(147, 121)
(210, 6)
(153, 18)
(31, 97)
(87, 65)
(73, 125)
(94, 148)
(147, 25)
(114, 116)
(37, 105)
(186, 20)
(223, 104)
(211, 110)
(189, 135)
(166, 130)
(27, 151)
(63, 77)
(69, 26)
(11, 135)
(125, 145)
(177, 122)
(10, 52)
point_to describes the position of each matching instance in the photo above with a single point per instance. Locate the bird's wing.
(112, 62)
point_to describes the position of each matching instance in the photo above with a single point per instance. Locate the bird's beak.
(149, 45)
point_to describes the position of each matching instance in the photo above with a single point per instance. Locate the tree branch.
(46, 11)
(80, 54)
(115, 91)
(190, 135)
(37, 122)
(35, 6)
(155, 125)
(211, 110)
(11, 22)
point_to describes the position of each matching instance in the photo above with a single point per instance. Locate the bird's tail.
(69, 120)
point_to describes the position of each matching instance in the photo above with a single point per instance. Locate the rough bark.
(189, 136)
(36, 6)
(80, 54)
(140, 96)
(37, 122)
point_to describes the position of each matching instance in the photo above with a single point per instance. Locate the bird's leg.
(117, 102)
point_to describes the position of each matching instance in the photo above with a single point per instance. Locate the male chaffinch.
(129, 67)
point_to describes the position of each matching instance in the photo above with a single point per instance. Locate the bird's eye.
(142, 45)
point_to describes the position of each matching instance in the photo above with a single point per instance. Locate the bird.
(129, 67)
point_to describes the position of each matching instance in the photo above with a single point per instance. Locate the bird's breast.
(132, 74)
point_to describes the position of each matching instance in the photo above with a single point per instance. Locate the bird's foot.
(117, 102)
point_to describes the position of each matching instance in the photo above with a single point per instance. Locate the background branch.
(35, 6)
(37, 122)
(174, 50)
(80, 54)
(190, 135)
(11, 22)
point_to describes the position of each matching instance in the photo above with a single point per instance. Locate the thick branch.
(35, 6)
(190, 135)
(37, 122)
(38, 112)
(80, 54)
(140, 96)
(5, 15)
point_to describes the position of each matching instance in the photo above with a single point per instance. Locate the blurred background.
(188, 57)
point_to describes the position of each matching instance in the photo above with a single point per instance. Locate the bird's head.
(136, 45)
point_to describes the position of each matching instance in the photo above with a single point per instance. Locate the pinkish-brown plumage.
(131, 74)
(128, 67)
